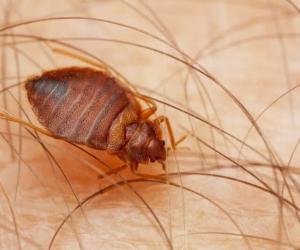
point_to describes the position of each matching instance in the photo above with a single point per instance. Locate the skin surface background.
(230, 186)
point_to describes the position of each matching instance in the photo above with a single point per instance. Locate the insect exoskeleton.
(87, 106)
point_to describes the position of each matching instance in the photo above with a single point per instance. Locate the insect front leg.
(146, 113)
(165, 119)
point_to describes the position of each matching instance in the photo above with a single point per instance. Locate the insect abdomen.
(80, 105)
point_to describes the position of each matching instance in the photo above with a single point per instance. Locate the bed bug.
(86, 106)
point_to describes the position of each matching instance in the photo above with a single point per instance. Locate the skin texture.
(238, 187)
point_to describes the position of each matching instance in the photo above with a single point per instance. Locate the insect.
(87, 106)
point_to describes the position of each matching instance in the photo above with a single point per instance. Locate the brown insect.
(87, 106)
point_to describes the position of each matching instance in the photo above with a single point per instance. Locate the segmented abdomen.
(80, 104)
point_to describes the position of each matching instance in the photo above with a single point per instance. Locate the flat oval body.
(84, 106)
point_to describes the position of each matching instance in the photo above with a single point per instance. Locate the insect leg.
(181, 139)
(146, 113)
(165, 119)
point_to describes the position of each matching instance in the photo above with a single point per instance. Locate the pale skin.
(246, 46)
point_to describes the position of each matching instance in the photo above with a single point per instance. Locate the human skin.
(226, 188)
